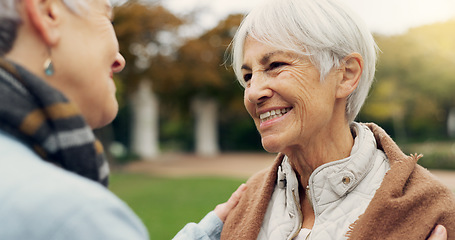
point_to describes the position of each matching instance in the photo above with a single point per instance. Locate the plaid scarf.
(44, 119)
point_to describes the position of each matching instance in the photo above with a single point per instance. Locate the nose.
(118, 64)
(258, 90)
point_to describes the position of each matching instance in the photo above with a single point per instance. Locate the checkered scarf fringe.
(53, 127)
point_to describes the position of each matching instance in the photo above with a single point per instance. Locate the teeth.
(273, 114)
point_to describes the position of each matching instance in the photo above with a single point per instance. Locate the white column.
(206, 132)
(451, 123)
(145, 129)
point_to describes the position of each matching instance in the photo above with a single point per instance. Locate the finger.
(235, 197)
(439, 233)
(222, 210)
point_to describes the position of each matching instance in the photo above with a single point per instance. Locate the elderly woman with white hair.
(307, 66)
(57, 60)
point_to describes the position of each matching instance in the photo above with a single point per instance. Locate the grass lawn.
(165, 205)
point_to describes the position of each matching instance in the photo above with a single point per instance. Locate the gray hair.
(10, 20)
(325, 30)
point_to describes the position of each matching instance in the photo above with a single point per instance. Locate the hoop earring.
(49, 67)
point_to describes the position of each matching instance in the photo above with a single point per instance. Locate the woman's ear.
(44, 16)
(352, 68)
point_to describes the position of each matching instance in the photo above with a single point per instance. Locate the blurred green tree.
(415, 81)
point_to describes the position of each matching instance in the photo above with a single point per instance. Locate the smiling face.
(289, 104)
(85, 59)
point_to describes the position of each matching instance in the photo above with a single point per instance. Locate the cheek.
(296, 88)
(303, 94)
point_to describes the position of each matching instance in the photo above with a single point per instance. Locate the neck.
(328, 146)
(29, 51)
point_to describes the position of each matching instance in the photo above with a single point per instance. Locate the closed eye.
(275, 65)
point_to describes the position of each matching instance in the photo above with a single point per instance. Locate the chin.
(270, 146)
(109, 118)
(101, 123)
(105, 117)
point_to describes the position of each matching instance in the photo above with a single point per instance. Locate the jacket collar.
(344, 175)
(334, 180)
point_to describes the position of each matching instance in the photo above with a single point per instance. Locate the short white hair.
(325, 30)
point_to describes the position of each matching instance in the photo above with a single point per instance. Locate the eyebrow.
(245, 67)
(266, 58)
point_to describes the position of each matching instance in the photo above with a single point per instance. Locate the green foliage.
(415, 81)
(440, 160)
(436, 155)
(238, 133)
(176, 132)
(165, 205)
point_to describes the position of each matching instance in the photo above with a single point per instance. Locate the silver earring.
(49, 67)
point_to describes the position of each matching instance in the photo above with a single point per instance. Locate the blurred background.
(181, 108)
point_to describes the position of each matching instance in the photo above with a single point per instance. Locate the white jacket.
(340, 191)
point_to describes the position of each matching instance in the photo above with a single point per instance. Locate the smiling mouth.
(273, 114)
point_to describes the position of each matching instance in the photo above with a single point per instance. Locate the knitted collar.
(46, 121)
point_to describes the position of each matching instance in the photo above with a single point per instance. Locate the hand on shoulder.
(222, 210)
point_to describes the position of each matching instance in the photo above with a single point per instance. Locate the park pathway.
(235, 165)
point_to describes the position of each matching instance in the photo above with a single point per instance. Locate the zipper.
(299, 211)
(307, 192)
